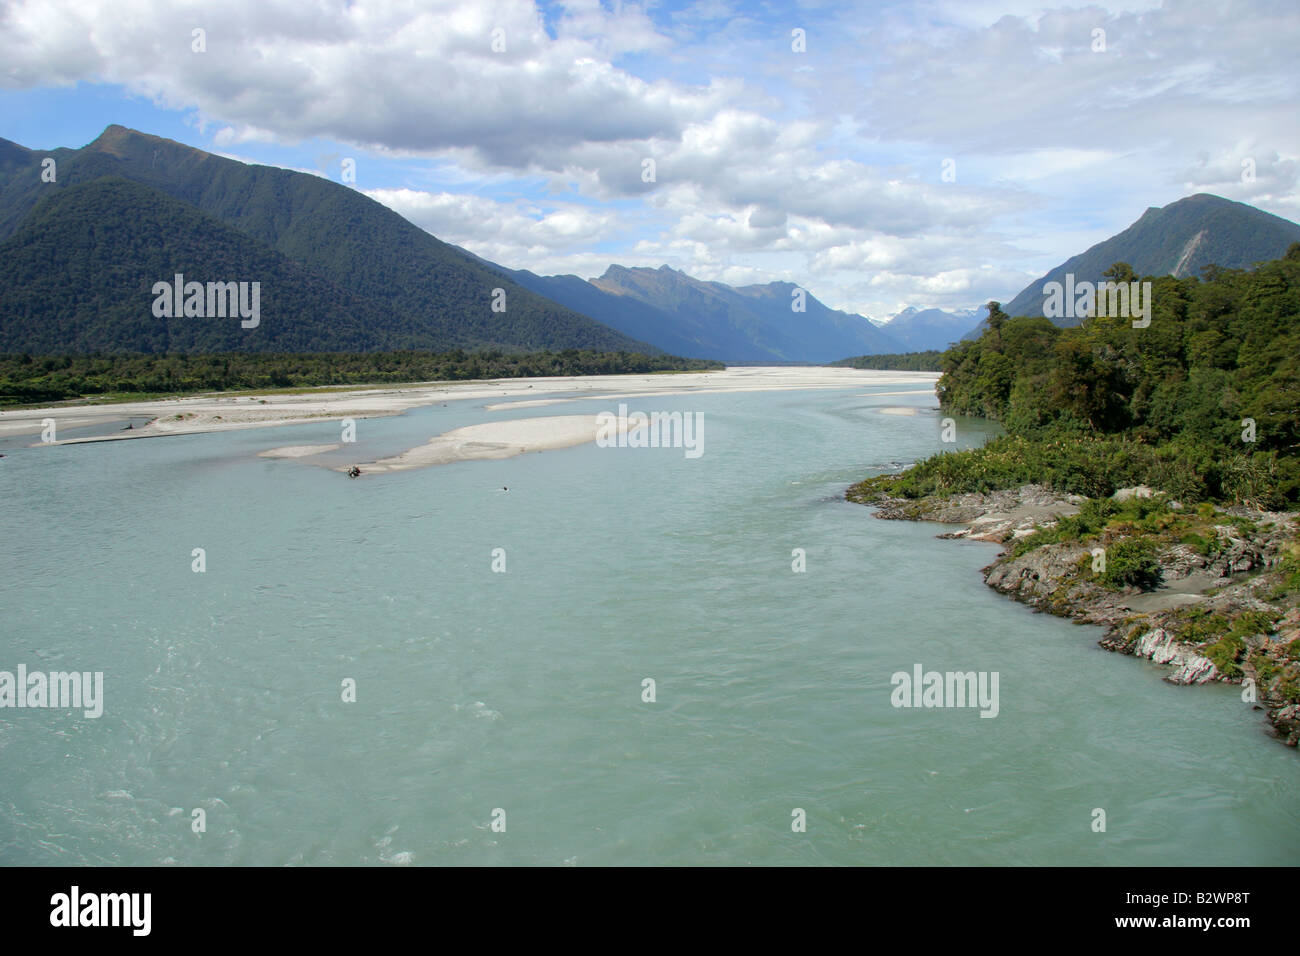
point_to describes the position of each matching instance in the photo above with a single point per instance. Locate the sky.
(881, 155)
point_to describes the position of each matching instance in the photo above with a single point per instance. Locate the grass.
(1225, 653)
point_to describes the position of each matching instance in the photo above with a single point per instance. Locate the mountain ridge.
(920, 330)
(76, 293)
(1179, 239)
(342, 236)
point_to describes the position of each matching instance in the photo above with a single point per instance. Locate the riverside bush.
(1131, 563)
(1095, 468)
(1102, 405)
(1224, 653)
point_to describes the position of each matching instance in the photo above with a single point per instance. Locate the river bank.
(1212, 594)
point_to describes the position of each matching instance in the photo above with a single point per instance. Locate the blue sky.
(822, 166)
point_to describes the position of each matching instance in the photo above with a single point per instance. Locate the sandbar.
(490, 440)
(218, 412)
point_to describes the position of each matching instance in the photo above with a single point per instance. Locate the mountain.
(1179, 240)
(689, 316)
(79, 275)
(634, 318)
(918, 330)
(411, 287)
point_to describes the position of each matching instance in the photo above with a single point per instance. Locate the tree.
(997, 318)
(1120, 272)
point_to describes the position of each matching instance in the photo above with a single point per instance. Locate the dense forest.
(1203, 403)
(345, 272)
(77, 278)
(24, 379)
(930, 361)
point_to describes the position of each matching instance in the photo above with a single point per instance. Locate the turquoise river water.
(499, 717)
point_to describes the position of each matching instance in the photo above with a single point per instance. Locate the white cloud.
(505, 232)
(403, 77)
(821, 168)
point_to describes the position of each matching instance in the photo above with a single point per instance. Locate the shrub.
(1131, 563)
(1264, 666)
(1251, 623)
(1224, 653)
(1201, 545)
(1290, 690)
(1196, 625)
(1253, 480)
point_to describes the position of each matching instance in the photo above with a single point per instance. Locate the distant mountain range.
(81, 255)
(339, 271)
(687, 316)
(776, 322)
(1180, 240)
(919, 330)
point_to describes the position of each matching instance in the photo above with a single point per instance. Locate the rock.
(1159, 647)
(1286, 723)
(1137, 491)
(1034, 576)
(1195, 670)
(1236, 557)
(997, 516)
(1179, 561)
(1239, 575)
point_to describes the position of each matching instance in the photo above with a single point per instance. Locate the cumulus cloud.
(1247, 172)
(698, 138)
(404, 77)
(511, 231)
(993, 88)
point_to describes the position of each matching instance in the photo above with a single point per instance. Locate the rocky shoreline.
(1218, 602)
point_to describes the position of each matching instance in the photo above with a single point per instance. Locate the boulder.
(1159, 647)
(1137, 491)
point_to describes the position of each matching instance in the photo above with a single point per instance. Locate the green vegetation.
(1251, 623)
(1104, 405)
(1092, 518)
(1196, 625)
(1186, 235)
(1083, 465)
(1202, 405)
(1131, 563)
(1102, 518)
(1225, 653)
(901, 362)
(338, 271)
(1224, 640)
(24, 379)
(1289, 571)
